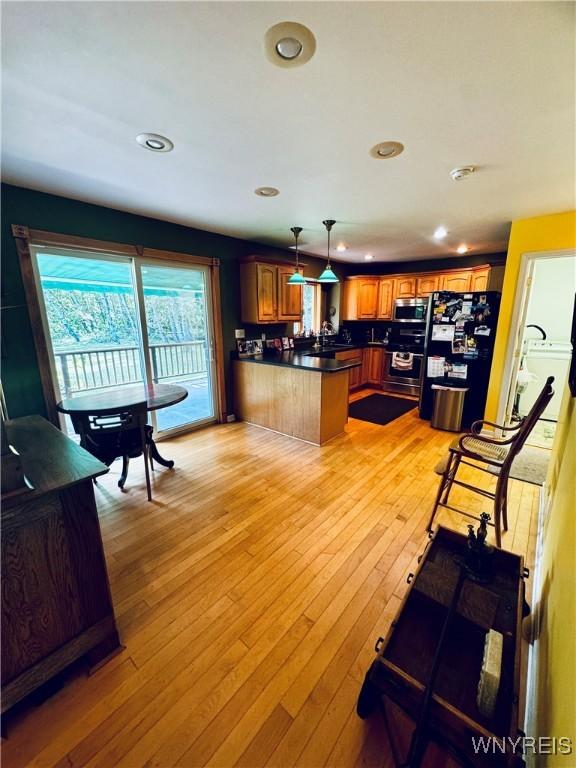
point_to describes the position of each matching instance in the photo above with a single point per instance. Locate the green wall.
(20, 375)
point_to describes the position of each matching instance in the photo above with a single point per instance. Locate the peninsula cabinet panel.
(427, 284)
(367, 298)
(289, 296)
(405, 288)
(459, 282)
(385, 299)
(264, 395)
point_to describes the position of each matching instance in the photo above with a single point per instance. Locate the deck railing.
(80, 370)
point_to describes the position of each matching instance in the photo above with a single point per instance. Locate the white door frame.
(517, 323)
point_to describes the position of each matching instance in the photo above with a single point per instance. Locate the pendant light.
(328, 275)
(297, 278)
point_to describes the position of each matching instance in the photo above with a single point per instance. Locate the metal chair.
(109, 434)
(488, 450)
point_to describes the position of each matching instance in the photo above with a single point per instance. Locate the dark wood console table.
(408, 659)
(56, 603)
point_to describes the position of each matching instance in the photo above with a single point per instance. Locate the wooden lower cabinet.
(356, 374)
(374, 357)
(370, 372)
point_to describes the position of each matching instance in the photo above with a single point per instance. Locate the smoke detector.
(460, 173)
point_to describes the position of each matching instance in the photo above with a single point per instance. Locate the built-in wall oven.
(410, 310)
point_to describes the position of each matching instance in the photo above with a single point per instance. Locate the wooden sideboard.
(56, 602)
(371, 297)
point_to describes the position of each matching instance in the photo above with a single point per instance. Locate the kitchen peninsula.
(295, 393)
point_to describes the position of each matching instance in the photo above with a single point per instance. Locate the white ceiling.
(489, 84)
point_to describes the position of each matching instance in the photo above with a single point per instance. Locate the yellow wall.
(556, 633)
(543, 233)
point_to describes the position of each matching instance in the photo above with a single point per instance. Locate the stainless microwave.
(410, 310)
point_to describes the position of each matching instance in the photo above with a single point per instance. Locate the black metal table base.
(154, 455)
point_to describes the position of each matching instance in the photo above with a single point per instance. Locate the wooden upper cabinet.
(479, 281)
(289, 296)
(427, 284)
(456, 281)
(367, 299)
(265, 294)
(405, 287)
(385, 298)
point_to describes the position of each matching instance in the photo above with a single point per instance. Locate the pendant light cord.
(328, 223)
(296, 232)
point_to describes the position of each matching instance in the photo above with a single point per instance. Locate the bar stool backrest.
(529, 422)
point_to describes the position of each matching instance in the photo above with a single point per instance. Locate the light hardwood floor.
(249, 596)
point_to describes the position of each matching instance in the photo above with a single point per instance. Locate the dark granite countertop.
(308, 361)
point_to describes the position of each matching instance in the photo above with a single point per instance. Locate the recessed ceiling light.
(289, 48)
(368, 257)
(266, 191)
(154, 142)
(462, 248)
(341, 247)
(289, 44)
(387, 149)
(440, 233)
(460, 173)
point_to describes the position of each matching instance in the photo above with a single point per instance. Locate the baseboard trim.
(532, 670)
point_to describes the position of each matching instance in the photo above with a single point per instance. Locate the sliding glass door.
(179, 346)
(113, 321)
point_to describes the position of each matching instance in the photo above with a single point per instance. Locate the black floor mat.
(380, 409)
